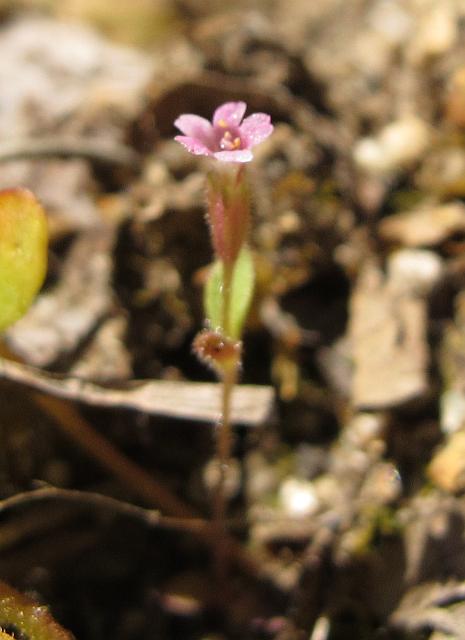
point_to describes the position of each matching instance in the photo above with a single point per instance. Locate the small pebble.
(447, 468)
(452, 410)
(397, 145)
(414, 270)
(297, 497)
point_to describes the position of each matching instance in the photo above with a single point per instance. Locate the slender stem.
(224, 436)
(224, 441)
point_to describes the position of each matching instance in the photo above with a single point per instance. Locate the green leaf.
(213, 300)
(242, 292)
(242, 285)
(23, 253)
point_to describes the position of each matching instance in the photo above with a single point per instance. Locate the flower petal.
(195, 127)
(256, 128)
(229, 114)
(238, 155)
(193, 145)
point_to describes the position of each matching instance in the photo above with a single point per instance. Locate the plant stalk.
(224, 437)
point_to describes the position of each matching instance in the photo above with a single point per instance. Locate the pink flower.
(229, 138)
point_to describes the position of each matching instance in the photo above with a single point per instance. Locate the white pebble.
(400, 143)
(452, 411)
(297, 497)
(414, 270)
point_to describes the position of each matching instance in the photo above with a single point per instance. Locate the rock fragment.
(447, 468)
(396, 146)
(388, 331)
(426, 226)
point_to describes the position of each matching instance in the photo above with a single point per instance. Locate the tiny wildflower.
(228, 138)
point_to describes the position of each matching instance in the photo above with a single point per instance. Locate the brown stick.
(68, 147)
(99, 501)
(175, 399)
(138, 480)
(142, 483)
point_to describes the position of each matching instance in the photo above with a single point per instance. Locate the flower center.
(230, 139)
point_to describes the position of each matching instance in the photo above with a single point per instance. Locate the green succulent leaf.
(31, 620)
(242, 286)
(23, 253)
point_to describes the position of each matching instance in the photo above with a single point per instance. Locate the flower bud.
(228, 198)
(217, 351)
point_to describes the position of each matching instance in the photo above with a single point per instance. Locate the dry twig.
(67, 147)
(186, 400)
